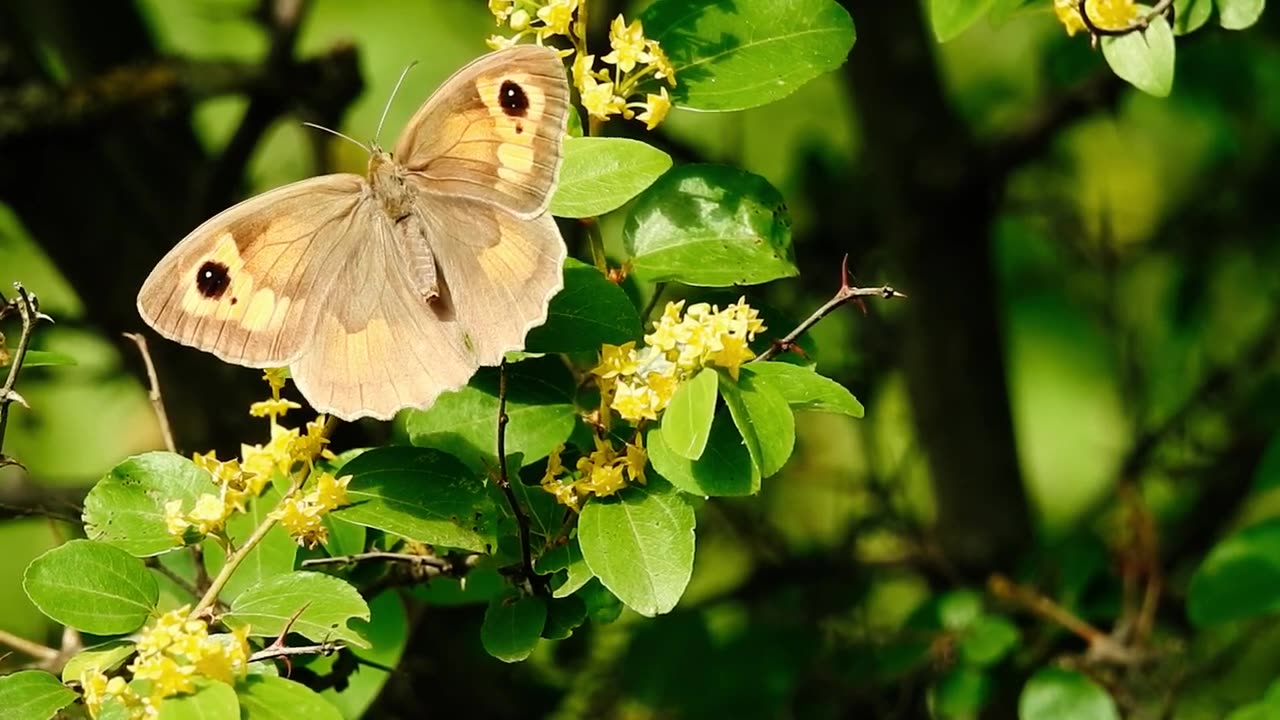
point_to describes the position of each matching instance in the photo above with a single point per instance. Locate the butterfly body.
(381, 292)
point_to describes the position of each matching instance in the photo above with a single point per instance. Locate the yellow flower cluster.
(636, 61)
(638, 384)
(601, 473)
(239, 480)
(1105, 14)
(172, 654)
(303, 516)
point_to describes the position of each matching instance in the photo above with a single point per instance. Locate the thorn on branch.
(27, 307)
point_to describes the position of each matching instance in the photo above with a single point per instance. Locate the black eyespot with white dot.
(513, 100)
(212, 279)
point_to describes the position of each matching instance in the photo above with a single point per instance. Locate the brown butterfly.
(381, 292)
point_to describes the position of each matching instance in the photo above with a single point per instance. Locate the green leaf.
(603, 607)
(1143, 59)
(686, 423)
(960, 693)
(103, 657)
(710, 225)
(93, 587)
(1064, 695)
(1239, 14)
(482, 583)
(1189, 15)
(567, 557)
(1239, 578)
(805, 389)
(732, 56)
(126, 507)
(263, 697)
(33, 695)
(725, 467)
(640, 544)
(987, 640)
(589, 312)
(600, 174)
(210, 701)
(512, 627)
(40, 358)
(563, 617)
(388, 632)
(763, 418)
(465, 423)
(323, 605)
(958, 609)
(345, 538)
(952, 17)
(274, 554)
(422, 495)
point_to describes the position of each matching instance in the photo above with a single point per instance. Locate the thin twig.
(504, 481)
(153, 392)
(27, 647)
(9, 512)
(428, 560)
(155, 564)
(1141, 23)
(28, 309)
(276, 652)
(845, 294)
(1101, 645)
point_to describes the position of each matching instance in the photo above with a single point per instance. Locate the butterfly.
(380, 292)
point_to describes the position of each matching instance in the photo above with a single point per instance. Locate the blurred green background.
(1094, 281)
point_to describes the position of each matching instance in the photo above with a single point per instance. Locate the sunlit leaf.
(93, 587)
(99, 658)
(686, 422)
(763, 418)
(805, 389)
(273, 555)
(1240, 577)
(126, 507)
(1239, 14)
(512, 627)
(725, 467)
(33, 695)
(313, 605)
(589, 312)
(210, 701)
(600, 174)
(264, 697)
(1064, 695)
(1144, 59)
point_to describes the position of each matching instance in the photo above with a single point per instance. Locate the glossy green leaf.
(420, 494)
(512, 627)
(93, 587)
(725, 467)
(103, 657)
(1239, 14)
(465, 423)
(988, 639)
(640, 544)
(600, 174)
(686, 423)
(958, 609)
(567, 558)
(960, 693)
(33, 695)
(952, 17)
(345, 538)
(1143, 59)
(126, 507)
(210, 701)
(564, 615)
(603, 607)
(710, 225)
(805, 389)
(263, 697)
(1239, 578)
(731, 56)
(1190, 15)
(273, 555)
(388, 633)
(1064, 695)
(763, 418)
(39, 358)
(319, 606)
(589, 312)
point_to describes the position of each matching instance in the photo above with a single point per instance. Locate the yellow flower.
(599, 100)
(168, 677)
(582, 69)
(663, 386)
(1105, 14)
(555, 468)
(275, 377)
(556, 16)
(331, 492)
(655, 109)
(565, 494)
(636, 460)
(501, 9)
(225, 656)
(732, 354)
(606, 480)
(307, 447)
(273, 408)
(519, 20)
(662, 69)
(616, 360)
(497, 42)
(174, 519)
(209, 514)
(207, 462)
(743, 313)
(628, 44)
(634, 401)
(303, 520)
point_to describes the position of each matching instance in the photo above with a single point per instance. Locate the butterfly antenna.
(387, 107)
(331, 131)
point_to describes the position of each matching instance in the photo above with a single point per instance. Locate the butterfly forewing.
(494, 132)
(247, 285)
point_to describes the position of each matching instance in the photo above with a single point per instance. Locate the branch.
(442, 565)
(155, 564)
(276, 652)
(1160, 8)
(1101, 645)
(845, 294)
(27, 647)
(27, 306)
(504, 482)
(153, 391)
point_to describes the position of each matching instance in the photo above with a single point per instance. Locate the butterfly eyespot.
(212, 279)
(512, 98)
(519, 128)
